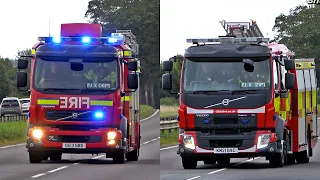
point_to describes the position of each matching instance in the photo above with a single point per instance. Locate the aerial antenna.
(49, 26)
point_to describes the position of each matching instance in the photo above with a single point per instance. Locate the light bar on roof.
(115, 39)
(230, 40)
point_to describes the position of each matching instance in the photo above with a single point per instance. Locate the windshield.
(229, 76)
(24, 101)
(62, 75)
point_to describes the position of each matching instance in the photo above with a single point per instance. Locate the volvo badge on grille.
(225, 102)
(74, 115)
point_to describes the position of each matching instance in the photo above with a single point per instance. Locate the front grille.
(74, 139)
(69, 115)
(226, 121)
(225, 143)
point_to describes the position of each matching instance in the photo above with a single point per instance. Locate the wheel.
(303, 157)
(119, 157)
(133, 155)
(56, 157)
(189, 163)
(35, 157)
(289, 159)
(223, 161)
(278, 159)
(210, 161)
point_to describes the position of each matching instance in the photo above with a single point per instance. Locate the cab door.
(314, 102)
(308, 107)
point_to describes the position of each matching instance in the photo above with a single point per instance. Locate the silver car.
(10, 105)
(25, 104)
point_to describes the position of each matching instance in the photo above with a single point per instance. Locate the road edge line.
(166, 148)
(16, 145)
(155, 113)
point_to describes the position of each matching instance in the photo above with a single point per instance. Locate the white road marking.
(14, 145)
(223, 169)
(97, 157)
(155, 113)
(194, 177)
(170, 147)
(38, 175)
(60, 168)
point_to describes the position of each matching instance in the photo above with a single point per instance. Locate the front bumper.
(95, 142)
(201, 153)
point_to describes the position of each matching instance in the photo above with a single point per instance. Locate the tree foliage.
(142, 18)
(299, 31)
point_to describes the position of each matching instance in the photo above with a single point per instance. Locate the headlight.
(37, 133)
(188, 142)
(263, 141)
(111, 135)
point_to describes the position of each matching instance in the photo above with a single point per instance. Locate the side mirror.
(167, 65)
(22, 64)
(289, 77)
(22, 79)
(289, 64)
(132, 81)
(132, 66)
(167, 81)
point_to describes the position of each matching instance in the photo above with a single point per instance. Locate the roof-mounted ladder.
(130, 40)
(242, 29)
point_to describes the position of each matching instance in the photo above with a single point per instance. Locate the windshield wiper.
(248, 91)
(58, 89)
(95, 91)
(210, 91)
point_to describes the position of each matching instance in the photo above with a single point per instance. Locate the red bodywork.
(112, 119)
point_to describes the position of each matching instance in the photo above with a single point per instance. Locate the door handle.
(309, 113)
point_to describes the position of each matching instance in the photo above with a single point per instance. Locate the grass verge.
(146, 111)
(12, 132)
(169, 138)
(168, 111)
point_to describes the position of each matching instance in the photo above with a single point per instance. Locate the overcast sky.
(23, 21)
(182, 19)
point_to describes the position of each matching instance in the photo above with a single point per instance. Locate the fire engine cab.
(84, 92)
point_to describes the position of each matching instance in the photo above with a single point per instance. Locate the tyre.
(278, 159)
(35, 157)
(223, 161)
(133, 155)
(303, 157)
(56, 157)
(119, 157)
(189, 163)
(289, 159)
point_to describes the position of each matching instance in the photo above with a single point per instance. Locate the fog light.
(112, 142)
(37, 133)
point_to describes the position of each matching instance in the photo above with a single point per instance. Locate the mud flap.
(124, 130)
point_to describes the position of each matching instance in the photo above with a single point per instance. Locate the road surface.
(14, 163)
(239, 169)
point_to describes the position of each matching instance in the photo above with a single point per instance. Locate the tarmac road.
(239, 169)
(14, 163)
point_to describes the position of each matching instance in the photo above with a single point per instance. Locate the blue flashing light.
(244, 121)
(98, 115)
(112, 40)
(28, 115)
(56, 39)
(274, 117)
(206, 121)
(86, 39)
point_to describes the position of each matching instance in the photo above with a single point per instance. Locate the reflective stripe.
(33, 51)
(277, 104)
(126, 98)
(127, 53)
(48, 101)
(305, 65)
(101, 103)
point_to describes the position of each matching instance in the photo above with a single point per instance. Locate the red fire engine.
(84, 94)
(238, 99)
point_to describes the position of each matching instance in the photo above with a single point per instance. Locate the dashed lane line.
(97, 157)
(223, 169)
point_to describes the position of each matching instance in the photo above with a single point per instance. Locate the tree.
(299, 31)
(142, 17)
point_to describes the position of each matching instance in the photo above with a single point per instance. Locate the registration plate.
(225, 150)
(74, 145)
